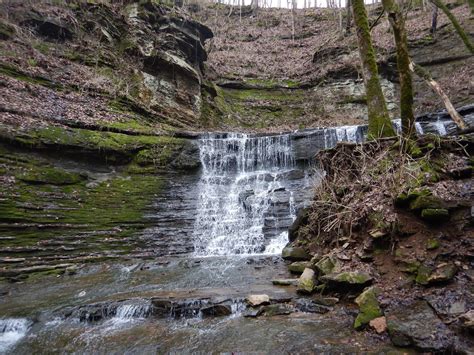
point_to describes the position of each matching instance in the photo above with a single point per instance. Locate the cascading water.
(11, 331)
(240, 177)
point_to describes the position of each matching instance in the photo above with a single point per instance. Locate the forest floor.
(260, 51)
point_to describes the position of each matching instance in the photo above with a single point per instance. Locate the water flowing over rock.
(245, 204)
(11, 331)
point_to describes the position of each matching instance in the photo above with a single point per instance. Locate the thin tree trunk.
(425, 75)
(434, 19)
(397, 22)
(455, 23)
(349, 16)
(379, 120)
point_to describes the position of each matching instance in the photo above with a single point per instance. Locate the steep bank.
(403, 225)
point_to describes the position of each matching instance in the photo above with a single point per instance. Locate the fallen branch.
(424, 74)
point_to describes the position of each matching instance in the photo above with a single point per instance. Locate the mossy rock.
(51, 176)
(298, 267)
(307, 281)
(432, 244)
(347, 280)
(435, 215)
(405, 198)
(327, 265)
(423, 274)
(369, 307)
(443, 273)
(426, 202)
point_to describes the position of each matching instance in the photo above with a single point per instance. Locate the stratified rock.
(258, 300)
(379, 324)
(310, 306)
(418, 326)
(298, 267)
(347, 280)
(369, 307)
(216, 310)
(307, 281)
(295, 254)
(327, 265)
(284, 282)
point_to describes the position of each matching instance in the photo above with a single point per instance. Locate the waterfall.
(241, 182)
(11, 331)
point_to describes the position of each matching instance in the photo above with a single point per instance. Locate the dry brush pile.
(367, 186)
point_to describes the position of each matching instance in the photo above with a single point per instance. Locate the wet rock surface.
(417, 325)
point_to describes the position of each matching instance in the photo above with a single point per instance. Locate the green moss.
(95, 216)
(423, 275)
(43, 47)
(50, 175)
(432, 244)
(426, 202)
(435, 215)
(368, 308)
(13, 72)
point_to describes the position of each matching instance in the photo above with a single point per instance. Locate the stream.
(217, 238)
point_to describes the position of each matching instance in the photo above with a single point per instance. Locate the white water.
(11, 331)
(129, 311)
(239, 175)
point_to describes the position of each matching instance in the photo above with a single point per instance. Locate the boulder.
(369, 307)
(258, 300)
(417, 325)
(295, 254)
(298, 267)
(347, 280)
(327, 265)
(307, 281)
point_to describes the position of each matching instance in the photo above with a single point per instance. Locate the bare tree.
(397, 21)
(379, 120)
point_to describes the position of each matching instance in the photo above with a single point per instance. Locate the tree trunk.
(424, 74)
(397, 22)
(455, 23)
(379, 121)
(434, 20)
(348, 16)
